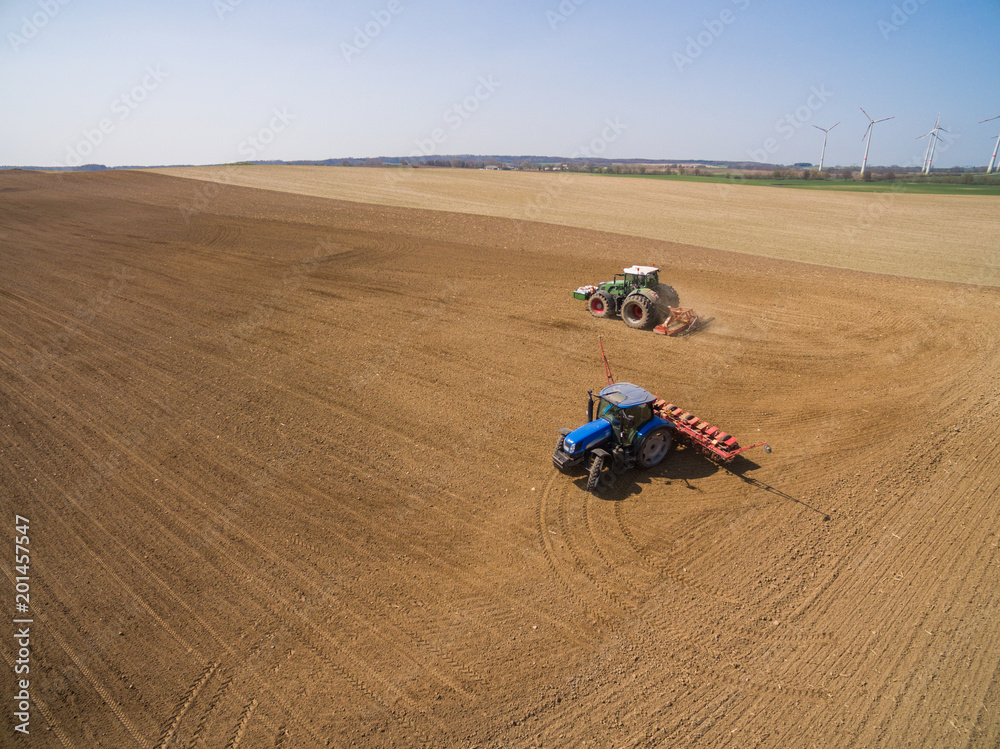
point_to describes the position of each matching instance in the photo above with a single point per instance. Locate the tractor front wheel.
(601, 304)
(594, 477)
(637, 311)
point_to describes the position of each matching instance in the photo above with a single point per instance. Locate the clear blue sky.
(215, 81)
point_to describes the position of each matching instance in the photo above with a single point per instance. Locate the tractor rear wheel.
(594, 477)
(601, 304)
(654, 448)
(637, 311)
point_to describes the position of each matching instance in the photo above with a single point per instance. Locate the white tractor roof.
(641, 270)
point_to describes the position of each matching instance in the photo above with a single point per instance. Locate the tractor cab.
(632, 278)
(625, 407)
(642, 276)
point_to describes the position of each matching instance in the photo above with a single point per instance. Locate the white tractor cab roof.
(641, 270)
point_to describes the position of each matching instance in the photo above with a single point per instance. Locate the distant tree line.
(733, 170)
(730, 170)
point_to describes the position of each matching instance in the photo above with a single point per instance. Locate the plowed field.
(285, 460)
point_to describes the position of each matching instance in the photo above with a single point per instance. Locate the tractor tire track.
(404, 652)
(174, 721)
(210, 709)
(194, 616)
(635, 591)
(662, 568)
(548, 549)
(578, 564)
(113, 705)
(241, 727)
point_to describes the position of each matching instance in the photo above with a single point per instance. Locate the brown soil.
(286, 461)
(936, 237)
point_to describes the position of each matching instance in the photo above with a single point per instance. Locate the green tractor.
(636, 294)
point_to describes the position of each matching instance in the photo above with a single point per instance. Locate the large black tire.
(637, 311)
(668, 296)
(601, 304)
(654, 448)
(594, 477)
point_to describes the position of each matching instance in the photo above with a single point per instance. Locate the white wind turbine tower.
(993, 158)
(929, 155)
(826, 131)
(868, 133)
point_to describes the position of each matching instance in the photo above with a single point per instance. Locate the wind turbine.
(993, 158)
(826, 131)
(868, 132)
(929, 155)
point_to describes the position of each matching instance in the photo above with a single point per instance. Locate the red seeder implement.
(680, 320)
(710, 441)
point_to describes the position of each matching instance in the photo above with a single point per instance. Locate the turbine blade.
(989, 120)
(866, 114)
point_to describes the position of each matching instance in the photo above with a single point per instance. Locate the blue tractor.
(622, 433)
